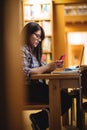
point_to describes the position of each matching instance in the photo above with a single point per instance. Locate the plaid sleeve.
(26, 61)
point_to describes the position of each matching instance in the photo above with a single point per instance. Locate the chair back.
(84, 81)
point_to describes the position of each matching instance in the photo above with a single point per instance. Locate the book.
(46, 45)
(49, 58)
(47, 27)
(44, 57)
(45, 11)
(36, 11)
(27, 12)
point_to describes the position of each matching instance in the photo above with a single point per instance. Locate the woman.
(33, 35)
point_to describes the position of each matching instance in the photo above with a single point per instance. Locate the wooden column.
(11, 76)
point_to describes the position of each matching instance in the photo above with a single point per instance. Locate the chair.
(80, 122)
(39, 106)
(84, 94)
(84, 106)
(29, 105)
(35, 106)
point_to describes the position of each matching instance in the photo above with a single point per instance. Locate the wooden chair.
(39, 106)
(28, 105)
(84, 107)
(84, 95)
(33, 106)
(80, 121)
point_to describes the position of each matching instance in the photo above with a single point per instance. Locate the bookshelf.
(41, 11)
(75, 13)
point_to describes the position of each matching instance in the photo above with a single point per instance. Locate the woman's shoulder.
(25, 51)
(24, 48)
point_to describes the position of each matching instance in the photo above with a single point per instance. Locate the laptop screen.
(81, 57)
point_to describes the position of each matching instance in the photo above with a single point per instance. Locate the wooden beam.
(69, 1)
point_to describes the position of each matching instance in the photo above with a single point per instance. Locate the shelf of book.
(41, 11)
(47, 57)
(75, 13)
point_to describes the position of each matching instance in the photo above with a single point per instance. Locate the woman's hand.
(60, 63)
(53, 65)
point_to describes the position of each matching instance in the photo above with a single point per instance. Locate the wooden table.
(56, 83)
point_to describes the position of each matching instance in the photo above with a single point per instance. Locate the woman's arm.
(46, 68)
(29, 69)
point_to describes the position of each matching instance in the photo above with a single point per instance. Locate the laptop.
(80, 63)
(72, 69)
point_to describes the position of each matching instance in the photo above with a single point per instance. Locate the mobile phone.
(62, 57)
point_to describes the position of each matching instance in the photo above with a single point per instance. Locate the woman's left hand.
(60, 63)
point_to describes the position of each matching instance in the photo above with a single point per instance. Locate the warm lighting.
(77, 37)
(36, 1)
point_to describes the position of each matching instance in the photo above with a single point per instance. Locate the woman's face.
(35, 38)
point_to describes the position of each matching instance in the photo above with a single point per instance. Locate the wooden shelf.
(76, 18)
(43, 19)
(42, 13)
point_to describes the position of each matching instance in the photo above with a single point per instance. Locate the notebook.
(72, 69)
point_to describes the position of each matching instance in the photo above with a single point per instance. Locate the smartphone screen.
(62, 57)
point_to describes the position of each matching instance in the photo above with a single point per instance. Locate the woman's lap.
(38, 92)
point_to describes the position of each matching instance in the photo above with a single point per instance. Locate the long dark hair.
(27, 31)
